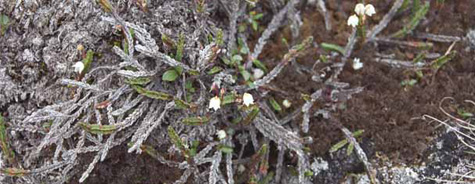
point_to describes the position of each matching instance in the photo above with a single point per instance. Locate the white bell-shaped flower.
(360, 9)
(357, 64)
(78, 67)
(247, 99)
(221, 134)
(353, 20)
(369, 10)
(215, 103)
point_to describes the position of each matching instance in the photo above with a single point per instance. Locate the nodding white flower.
(286, 103)
(369, 10)
(221, 134)
(357, 64)
(353, 20)
(257, 73)
(247, 99)
(215, 103)
(360, 9)
(78, 67)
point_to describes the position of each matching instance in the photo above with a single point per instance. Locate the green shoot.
(87, 62)
(418, 16)
(152, 94)
(342, 143)
(333, 47)
(14, 172)
(219, 38)
(275, 104)
(4, 23)
(106, 5)
(409, 82)
(98, 129)
(195, 121)
(138, 81)
(225, 149)
(180, 47)
(250, 117)
(228, 99)
(441, 61)
(176, 140)
(215, 70)
(7, 152)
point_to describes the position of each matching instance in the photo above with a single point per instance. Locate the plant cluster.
(202, 94)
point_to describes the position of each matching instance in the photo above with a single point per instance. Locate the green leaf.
(349, 149)
(441, 61)
(226, 61)
(225, 149)
(255, 25)
(260, 65)
(180, 104)
(195, 121)
(338, 146)
(87, 61)
(15, 172)
(267, 178)
(258, 16)
(342, 143)
(98, 129)
(4, 23)
(176, 140)
(6, 150)
(167, 41)
(419, 58)
(194, 72)
(228, 99)
(237, 58)
(219, 38)
(419, 74)
(275, 104)
(333, 47)
(245, 74)
(464, 113)
(180, 47)
(236, 120)
(357, 133)
(179, 69)
(250, 117)
(420, 13)
(308, 173)
(194, 148)
(170, 75)
(214, 70)
(409, 82)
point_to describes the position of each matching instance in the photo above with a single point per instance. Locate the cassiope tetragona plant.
(359, 19)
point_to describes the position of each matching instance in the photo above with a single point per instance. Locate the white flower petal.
(357, 64)
(369, 10)
(247, 99)
(360, 9)
(286, 103)
(257, 73)
(353, 20)
(78, 67)
(215, 103)
(221, 134)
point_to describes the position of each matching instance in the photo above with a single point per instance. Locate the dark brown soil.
(388, 112)
(121, 167)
